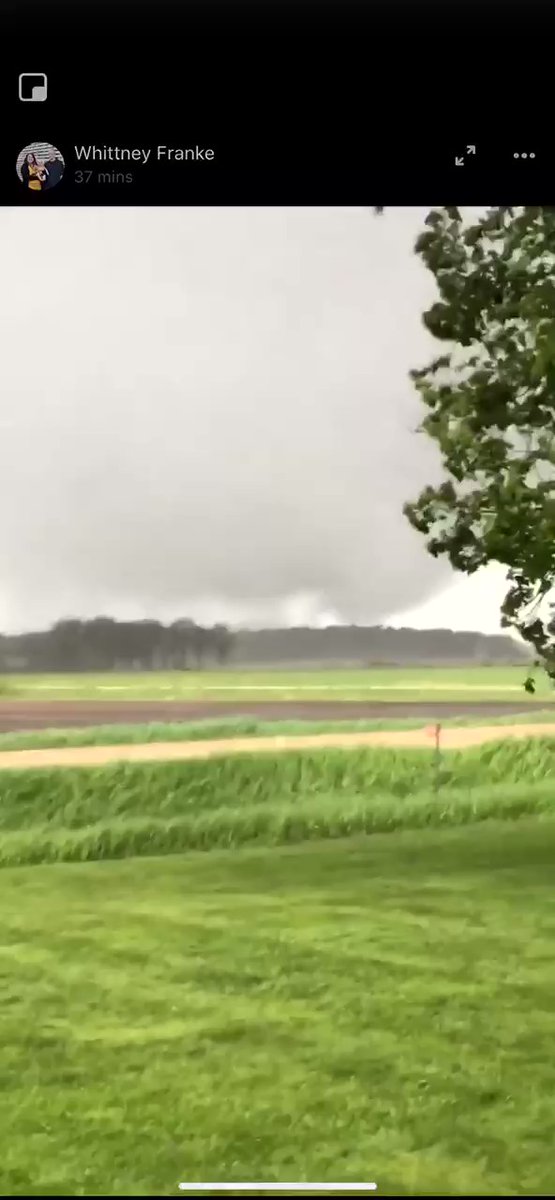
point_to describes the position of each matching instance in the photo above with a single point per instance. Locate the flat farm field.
(409, 684)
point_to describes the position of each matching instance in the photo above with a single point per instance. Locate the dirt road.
(66, 714)
(94, 756)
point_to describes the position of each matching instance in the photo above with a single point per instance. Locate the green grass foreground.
(229, 727)
(364, 1009)
(129, 809)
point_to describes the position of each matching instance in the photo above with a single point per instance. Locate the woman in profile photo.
(33, 173)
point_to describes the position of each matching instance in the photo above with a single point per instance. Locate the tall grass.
(269, 824)
(159, 808)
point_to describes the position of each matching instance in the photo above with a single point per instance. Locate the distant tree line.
(378, 645)
(107, 645)
(104, 644)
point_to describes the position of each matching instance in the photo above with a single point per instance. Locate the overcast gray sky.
(207, 412)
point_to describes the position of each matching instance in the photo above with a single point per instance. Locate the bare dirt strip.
(96, 756)
(71, 714)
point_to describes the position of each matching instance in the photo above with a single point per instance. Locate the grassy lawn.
(411, 683)
(376, 1008)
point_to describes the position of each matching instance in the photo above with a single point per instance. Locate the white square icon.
(33, 86)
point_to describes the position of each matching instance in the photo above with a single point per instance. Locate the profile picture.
(40, 167)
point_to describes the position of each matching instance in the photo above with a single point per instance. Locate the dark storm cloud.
(207, 412)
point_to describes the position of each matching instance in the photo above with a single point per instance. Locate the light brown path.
(95, 756)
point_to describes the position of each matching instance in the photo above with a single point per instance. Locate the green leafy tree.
(490, 401)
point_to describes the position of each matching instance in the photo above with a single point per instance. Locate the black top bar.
(266, 103)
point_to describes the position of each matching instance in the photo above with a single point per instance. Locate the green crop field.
(309, 966)
(395, 683)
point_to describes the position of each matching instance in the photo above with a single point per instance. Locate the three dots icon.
(524, 154)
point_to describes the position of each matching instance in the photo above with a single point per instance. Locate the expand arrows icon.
(460, 159)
